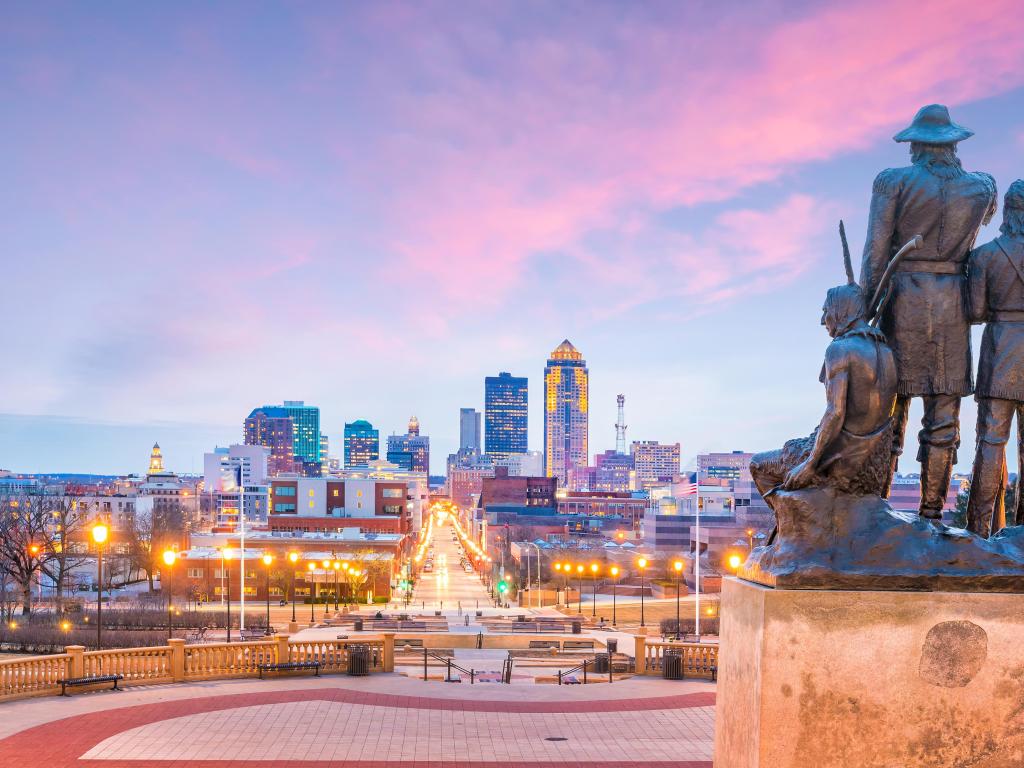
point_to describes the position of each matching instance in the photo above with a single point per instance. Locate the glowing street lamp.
(641, 564)
(225, 556)
(170, 557)
(99, 535)
(337, 569)
(594, 568)
(293, 558)
(614, 571)
(311, 566)
(579, 601)
(267, 560)
(327, 598)
(677, 566)
(735, 561)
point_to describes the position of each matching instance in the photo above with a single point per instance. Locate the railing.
(215, 660)
(333, 655)
(699, 659)
(135, 664)
(449, 665)
(178, 662)
(34, 675)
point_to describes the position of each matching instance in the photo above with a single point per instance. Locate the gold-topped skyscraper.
(566, 412)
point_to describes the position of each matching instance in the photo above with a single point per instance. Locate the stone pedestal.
(835, 679)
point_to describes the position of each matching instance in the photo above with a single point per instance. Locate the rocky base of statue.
(847, 679)
(829, 540)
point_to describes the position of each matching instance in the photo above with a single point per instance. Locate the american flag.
(688, 489)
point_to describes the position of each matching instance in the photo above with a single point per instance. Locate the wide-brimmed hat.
(932, 125)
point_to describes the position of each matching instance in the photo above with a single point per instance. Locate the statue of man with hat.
(996, 291)
(924, 311)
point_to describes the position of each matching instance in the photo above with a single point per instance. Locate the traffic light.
(502, 587)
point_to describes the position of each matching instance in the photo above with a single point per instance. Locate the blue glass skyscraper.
(505, 415)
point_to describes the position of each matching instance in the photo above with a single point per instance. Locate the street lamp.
(311, 566)
(170, 556)
(641, 564)
(225, 556)
(99, 535)
(677, 566)
(267, 560)
(337, 570)
(750, 538)
(735, 561)
(558, 567)
(293, 558)
(327, 598)
(614, 571)
(594, 568)
(579, 600)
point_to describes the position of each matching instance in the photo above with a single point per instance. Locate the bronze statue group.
(903, 331)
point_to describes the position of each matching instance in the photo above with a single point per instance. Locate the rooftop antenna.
(620, 426)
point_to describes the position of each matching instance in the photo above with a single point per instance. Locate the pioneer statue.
(849, 450)
(925, 319)
(996, 297)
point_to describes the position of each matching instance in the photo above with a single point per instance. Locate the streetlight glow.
(268, 559)
(293, 557)
(170, 556)
(99, 533)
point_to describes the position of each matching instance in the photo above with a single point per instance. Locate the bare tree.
(25, 540)
(67, 544)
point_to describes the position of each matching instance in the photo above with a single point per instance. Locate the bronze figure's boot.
(986, 487)
(936, 471)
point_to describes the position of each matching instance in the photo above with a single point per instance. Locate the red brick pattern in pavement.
(60, 744)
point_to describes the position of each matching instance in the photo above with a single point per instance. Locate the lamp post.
(99, 535)
(558, 568)
(579, 600)
(678, 568)
(750, 539)
(327, 598)
(614, 571)
(225, 556)
(311, 566)
(594, 568)
(170, 556)
(267, 560)
(337, 569)
(293, 558)
(641, 564)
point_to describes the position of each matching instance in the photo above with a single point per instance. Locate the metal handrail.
(428, 654)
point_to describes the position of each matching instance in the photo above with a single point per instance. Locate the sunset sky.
(371, 206)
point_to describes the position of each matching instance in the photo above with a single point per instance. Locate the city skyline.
(190, 206)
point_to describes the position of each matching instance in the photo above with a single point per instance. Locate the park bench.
(578, 645)
(543, 644)
(287, 666)
(252, 634)
(72, 682)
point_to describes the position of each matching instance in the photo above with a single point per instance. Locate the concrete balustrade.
(177, 662)
(699, 659)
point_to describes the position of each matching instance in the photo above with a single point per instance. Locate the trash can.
(357, 625)
(577, 628)
(672, 665)
(601, 663)
(613, 645)
(358, 660)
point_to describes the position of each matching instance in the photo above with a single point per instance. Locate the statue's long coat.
(926, 320)
(996, 287)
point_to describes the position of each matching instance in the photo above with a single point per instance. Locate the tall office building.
(469, 430)
(306, 439)
(655, 462)
(410, 451)
(505, 415)
(273, 428)
(362, 444)
(566, 412)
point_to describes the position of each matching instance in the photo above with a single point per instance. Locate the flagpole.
(696, 561)
(241, 560)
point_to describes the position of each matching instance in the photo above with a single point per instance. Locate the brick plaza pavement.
(376, 722)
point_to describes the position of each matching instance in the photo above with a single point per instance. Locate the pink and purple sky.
(371, 206)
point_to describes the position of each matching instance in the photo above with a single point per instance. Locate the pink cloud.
(551, 137)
